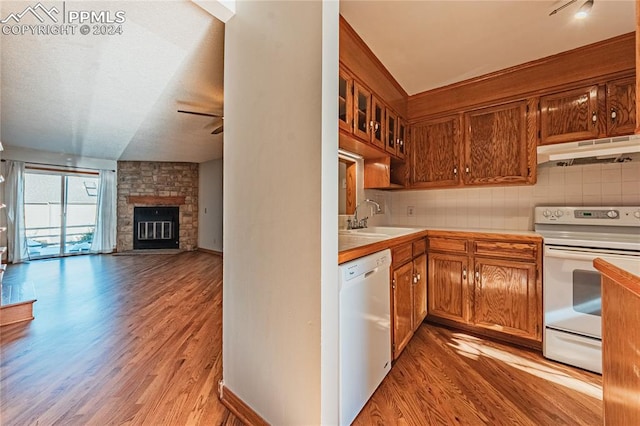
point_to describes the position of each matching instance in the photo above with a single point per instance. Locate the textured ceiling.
(116, 96)
(429, 44)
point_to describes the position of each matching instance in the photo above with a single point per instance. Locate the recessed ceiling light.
(584, 10)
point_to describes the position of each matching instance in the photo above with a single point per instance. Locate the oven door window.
(586, 292)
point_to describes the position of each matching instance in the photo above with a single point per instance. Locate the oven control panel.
(616, 216)
(596, 214)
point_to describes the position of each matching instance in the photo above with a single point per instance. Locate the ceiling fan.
(217, 129)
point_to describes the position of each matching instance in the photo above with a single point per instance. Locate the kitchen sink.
(379, 231)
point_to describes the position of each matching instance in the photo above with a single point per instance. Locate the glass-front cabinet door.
(377, 131)
(345, 101)
(391, 131)
(361, 111)
(401, 142)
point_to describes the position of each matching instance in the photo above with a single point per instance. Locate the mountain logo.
(34, 11)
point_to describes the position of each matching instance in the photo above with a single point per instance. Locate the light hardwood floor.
(137, 340)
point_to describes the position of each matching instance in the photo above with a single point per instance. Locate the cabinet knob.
(594, 118)
(464, 273)
(614, 115)
(466, 169)
(401, 142)
(455, 171)
(477, 276)
(415, 279)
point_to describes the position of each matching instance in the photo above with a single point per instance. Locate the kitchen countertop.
(354, 246)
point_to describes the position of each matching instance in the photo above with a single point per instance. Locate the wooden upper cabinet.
(621, 107)
(403, 310)
(361, 111)
(569, 116)
(496, 145)
(345, 101)
(435, 148)
(448, 289)
(377, 123)
(507, 298)
(391, 131)
(419, 290)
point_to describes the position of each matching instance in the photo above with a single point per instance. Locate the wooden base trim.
(486, 333)
(205, 250)
(240, 408)
(17, 312)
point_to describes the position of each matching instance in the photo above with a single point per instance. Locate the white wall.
(279, 265)
(210, 208)
(511, 208)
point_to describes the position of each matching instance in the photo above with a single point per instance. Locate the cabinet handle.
(464, 273)
(594, 118)
(614, 115)
(455, 171)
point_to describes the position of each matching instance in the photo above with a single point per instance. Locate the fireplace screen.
(155, 230)
(156, 227)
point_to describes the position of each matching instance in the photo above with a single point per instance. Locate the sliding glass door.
(60, 212)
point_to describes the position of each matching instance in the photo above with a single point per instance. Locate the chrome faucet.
(362, 223)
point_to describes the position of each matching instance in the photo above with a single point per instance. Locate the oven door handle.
(586, 254)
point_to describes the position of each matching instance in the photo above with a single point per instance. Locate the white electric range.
(573, 238)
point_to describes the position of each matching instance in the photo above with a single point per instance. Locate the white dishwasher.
(365, 330)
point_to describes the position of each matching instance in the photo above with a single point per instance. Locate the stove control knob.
(546, 213)
(612, 214)
(559, 213)
(637, 214)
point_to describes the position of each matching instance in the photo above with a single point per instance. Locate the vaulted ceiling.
(429, 44)
(117, 96)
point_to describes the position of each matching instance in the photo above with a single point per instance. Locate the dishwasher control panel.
(366, 264)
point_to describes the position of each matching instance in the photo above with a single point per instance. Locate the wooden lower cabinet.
(419, 290)
(402, 307)
(409, 289)
(448, 286)
(505, 297)
(498, 292)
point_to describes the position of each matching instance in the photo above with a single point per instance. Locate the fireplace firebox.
(156, 228)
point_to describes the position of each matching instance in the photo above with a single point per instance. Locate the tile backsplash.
(511, 208)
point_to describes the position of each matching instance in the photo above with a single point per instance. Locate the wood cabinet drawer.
(401, 255)
(419, 247)
(508, 249)
(454, 245)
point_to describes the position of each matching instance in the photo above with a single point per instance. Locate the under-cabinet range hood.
(609, 150)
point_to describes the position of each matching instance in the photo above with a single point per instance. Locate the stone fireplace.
(150, 188)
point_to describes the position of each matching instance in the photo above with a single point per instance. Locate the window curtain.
(14, 198)
(104, 236)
